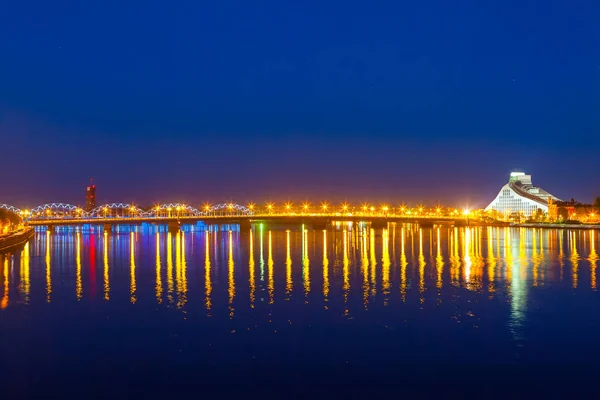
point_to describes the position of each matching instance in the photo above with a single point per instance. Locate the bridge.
(175, 214)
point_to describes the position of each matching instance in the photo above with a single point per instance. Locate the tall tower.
(90, 197)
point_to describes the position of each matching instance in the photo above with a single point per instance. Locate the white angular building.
(520, 196)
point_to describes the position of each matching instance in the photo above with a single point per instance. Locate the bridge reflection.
(342, 268)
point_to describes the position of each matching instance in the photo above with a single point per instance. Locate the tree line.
(8, 220)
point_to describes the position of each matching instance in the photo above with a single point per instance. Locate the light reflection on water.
(351, 272)
(516, 258)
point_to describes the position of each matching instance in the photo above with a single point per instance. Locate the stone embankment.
(11, 241)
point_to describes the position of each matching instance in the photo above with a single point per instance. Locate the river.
(143, 306)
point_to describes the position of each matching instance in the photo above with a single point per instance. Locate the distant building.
(520, 196)
(570, 210)
(90, 197)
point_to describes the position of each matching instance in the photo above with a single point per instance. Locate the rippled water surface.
(351, 296)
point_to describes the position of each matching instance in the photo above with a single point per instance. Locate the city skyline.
(144, 202)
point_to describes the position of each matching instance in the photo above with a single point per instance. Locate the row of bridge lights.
(270, 207)
(345, 208)
(288, 207)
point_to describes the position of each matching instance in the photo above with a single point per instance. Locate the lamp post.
(384, 210)
(25, 215)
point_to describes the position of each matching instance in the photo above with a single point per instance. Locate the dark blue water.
(141, 311)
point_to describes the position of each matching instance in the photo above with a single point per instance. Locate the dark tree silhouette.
(9, 217)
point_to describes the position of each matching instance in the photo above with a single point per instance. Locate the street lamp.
(288, 207)
(25, 214)
(305, 207)
(344, 207)
(324, 206)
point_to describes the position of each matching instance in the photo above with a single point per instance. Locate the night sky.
(398, 101)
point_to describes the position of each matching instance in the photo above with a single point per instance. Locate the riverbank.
(14, 240)
(556, 226)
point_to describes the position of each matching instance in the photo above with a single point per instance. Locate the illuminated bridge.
(176, 214)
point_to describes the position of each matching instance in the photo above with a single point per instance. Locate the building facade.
(571, 210)
(519, 196)
(90, 197)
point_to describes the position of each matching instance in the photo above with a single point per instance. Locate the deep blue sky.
(414, 101)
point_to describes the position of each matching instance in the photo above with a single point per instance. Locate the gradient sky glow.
(433, 101)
